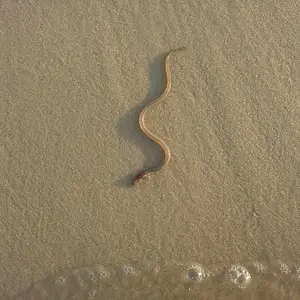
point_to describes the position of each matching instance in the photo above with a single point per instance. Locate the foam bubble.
(196, 273)
(128, 271)
(239, 276)
(297, 271)
(60, 280)
(156, 269)
(260, 267)
(280, 268)
(101, 272)
(284, 268)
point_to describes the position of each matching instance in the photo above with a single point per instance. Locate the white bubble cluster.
(284, 268)
(260, 267)
(239, 276)
(60, 280)
(297, 271)
(175, 277)
(128, 271)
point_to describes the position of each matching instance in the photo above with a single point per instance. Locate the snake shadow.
(128, 126)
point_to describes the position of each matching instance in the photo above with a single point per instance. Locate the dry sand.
(74, 77)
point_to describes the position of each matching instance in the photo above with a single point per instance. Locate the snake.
(167, 154)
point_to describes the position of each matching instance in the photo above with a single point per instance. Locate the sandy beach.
(221, 221)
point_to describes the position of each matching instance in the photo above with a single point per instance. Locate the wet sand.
(74, 78)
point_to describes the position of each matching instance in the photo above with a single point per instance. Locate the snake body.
(147, 132)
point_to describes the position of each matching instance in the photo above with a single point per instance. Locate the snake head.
(140, 176)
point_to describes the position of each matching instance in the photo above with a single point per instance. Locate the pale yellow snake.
(156, 139)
